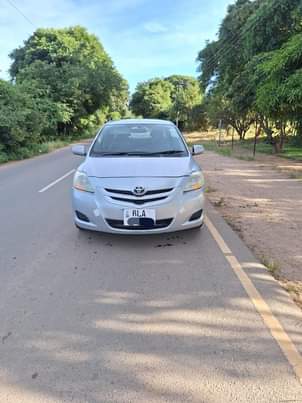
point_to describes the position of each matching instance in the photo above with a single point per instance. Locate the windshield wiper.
(136, 153)
(130, 153)
(167, 152)
(101, 154)
(116, 153)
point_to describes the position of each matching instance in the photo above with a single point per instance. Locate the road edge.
(279, 330)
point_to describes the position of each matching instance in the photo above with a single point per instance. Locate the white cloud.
(97, 16)
(155, 27)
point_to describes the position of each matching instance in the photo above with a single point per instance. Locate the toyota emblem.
(139, 191)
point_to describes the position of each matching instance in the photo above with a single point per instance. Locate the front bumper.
(105, 215)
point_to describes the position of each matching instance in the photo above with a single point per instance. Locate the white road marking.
(56, 181)
(288, 348)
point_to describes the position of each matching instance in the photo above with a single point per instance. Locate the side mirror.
(197, 149)
(79, 149)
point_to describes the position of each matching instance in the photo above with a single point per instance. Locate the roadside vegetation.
(32, 150)
(252, 74)
(63, 85)
(223, 143)
(177, 98)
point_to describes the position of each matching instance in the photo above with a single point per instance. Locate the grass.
(209, 189)
(292, 152)
(293, 288)
(211, 145)
(34, 150)
(271, 266)
(295, 175)
(243, 149)
(220, 202)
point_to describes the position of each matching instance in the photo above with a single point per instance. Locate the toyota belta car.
(138, 177)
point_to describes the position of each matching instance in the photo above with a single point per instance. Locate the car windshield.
(157, 140)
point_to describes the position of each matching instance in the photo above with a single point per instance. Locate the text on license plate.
(134, 216)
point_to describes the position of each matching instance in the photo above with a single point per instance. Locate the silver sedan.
(138, 177)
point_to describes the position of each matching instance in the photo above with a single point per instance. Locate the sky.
(144, 38)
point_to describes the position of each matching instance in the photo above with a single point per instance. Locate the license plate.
(136, 216)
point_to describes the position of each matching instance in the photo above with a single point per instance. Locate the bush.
(3, 157)
(21, 153)
(20, 120)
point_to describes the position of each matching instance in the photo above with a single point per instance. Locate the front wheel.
(199, 227)
(79, 228)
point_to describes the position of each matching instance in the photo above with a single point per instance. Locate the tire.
(79, 228)
(199, 227)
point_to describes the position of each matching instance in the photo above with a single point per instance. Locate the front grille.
(137, 201)
(119, 224)
(130, 193)
(118, 195)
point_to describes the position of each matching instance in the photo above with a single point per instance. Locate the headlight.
(194, 182)
(81, 182)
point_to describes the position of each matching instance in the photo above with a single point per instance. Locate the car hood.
(118, 167)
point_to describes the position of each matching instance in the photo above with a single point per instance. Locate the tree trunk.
(282, 135)
(265, 126)
(276, 146)
(278, 142)
(238, 129)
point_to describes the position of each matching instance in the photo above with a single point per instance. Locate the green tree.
(252, 72)
(174, 97)
(73, 70)
(279, 89)
(23, 116)
(271, 24)
(152, 99)
(185, 97)
(222, 64)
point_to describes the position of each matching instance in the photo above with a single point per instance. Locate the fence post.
(255, 139)
(233, 138)
(219, 138)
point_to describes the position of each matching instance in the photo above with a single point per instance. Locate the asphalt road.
(88, 317)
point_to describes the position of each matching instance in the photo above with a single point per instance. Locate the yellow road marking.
(277, 331)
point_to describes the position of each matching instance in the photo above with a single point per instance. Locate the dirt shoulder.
(262, 200)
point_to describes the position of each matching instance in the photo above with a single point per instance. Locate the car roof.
(137, 121)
